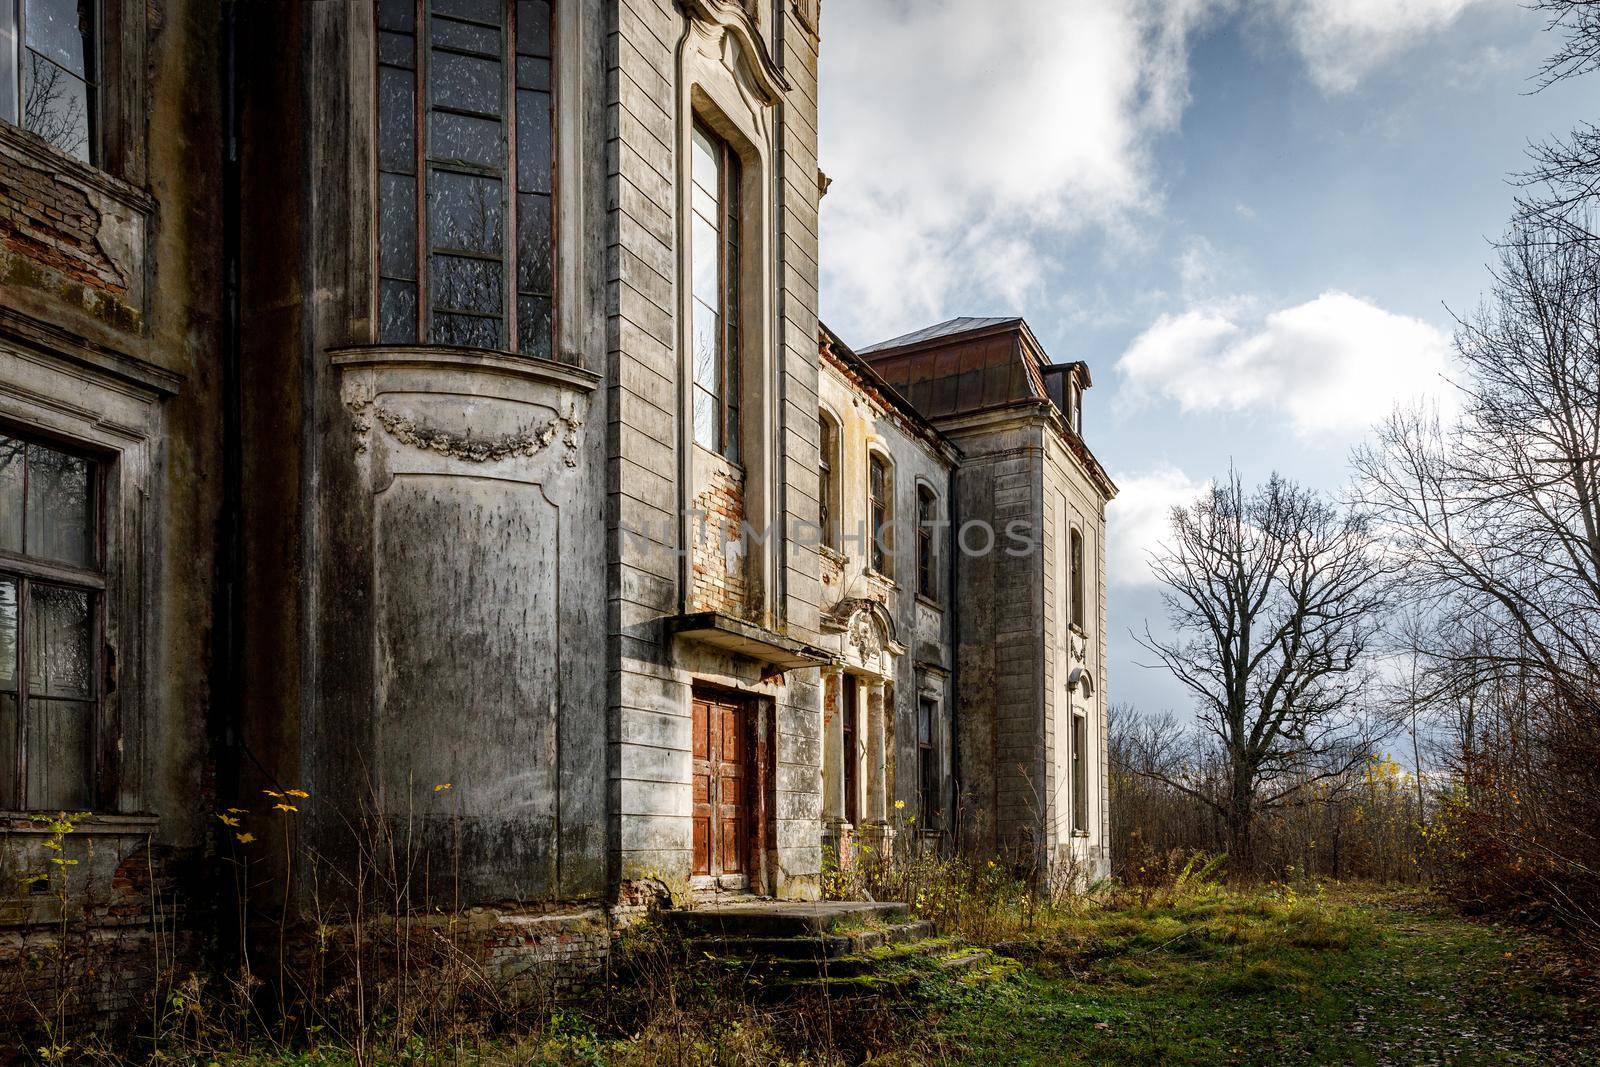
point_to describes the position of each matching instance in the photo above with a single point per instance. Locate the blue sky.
(1250, 218)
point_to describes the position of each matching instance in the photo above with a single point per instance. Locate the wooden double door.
(727, 788)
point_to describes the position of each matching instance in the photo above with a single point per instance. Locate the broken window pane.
(60, 510)
(9, 730)
(8, 638)
(60, 662)
(8, 62)
(397, 226)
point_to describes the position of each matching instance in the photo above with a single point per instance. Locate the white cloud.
(963, 143)
(1331, 367)
(1342, 41)
(1139, 519)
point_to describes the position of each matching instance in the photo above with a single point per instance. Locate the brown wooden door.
(722, 787)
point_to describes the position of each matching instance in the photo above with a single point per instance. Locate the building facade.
(414, 431)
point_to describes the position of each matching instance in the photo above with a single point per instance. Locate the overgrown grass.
(1195, 974)
(1269, 976)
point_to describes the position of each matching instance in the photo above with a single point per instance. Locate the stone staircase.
(789, 945)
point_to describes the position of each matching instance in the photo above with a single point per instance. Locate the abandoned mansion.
(416, 420)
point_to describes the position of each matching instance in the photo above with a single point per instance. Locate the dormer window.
(465, 217)
(48, 81)
(1075, 407)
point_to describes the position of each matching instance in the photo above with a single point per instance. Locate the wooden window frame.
(827, 473)
(928, 792)
(1076, 605)
(25, 571)
(730, 265)
(880, 515)
(1080, 773)
(927, 548)
(93, 78)
(425, 165)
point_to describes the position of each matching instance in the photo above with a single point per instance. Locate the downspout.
(780, 537)
(685, 452)
(222, 722)
(952, 513)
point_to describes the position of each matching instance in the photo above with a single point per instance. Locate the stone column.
(835, 842)
(875, 772)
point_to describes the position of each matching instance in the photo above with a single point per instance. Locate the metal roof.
(944, 329)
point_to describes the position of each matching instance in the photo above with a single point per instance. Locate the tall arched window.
(827, 480)
(880, 513)
(927, 552)
(716, 262)
(466, 234)
(1076, 580)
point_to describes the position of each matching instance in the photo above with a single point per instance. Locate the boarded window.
(48, 80)
(466, 224)
(51, 587)
(715, 241)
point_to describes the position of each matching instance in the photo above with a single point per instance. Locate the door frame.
(760, 755)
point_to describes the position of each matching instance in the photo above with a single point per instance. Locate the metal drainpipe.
(685, 454)
(952, 512)
(781, 535)
(222, 722)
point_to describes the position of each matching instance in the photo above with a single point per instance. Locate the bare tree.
(1274, 595)
(1564, 181)
(1494, 519)
(1499, 513)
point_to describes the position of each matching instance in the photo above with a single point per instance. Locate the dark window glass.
(1076, 579)
(928, 765)
(880, 515)
(825, 467)
(714, 285)
(489, 280)
(48, 81)
(927, 519)
(50, 588)
(852, 753)
(1080, 779)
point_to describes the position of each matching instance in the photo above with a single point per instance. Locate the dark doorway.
(852, 756)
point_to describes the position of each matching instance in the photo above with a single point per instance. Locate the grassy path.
(1376, 978)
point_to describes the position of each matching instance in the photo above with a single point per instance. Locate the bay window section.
(51, 587)
(715, 264)
(466, 222)
(48, 82)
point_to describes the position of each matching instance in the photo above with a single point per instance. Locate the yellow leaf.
(228, 820)
(272, 793)
(441, 787)
(245, 838)
(301, 793)
(284, 807)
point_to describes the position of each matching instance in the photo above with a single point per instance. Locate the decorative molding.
(411, 431)
(733, 18)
